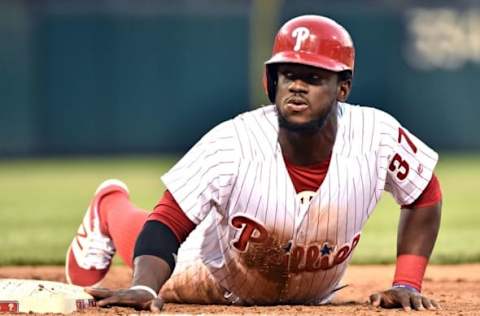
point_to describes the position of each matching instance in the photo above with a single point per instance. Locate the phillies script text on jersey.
(298, 258)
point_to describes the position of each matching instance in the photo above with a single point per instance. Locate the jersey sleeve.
(203, 179)
(168, 212)
(429, 197)
(409, 163)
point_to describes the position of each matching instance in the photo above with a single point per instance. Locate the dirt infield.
(456, 288)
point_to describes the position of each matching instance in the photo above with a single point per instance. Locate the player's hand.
(138, 299)
(402, 297)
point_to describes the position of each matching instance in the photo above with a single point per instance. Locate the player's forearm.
(417, 233)
(418, 230)
(155, 252)
(150, 271)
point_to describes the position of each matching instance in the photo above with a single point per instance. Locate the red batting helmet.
(310, 40)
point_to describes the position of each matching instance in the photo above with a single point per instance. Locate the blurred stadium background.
(116, 88)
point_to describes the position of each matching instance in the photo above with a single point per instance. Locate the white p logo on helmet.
(301, 34)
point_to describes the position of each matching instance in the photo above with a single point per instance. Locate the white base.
(24, 296)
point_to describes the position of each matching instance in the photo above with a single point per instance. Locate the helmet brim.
(304, 58)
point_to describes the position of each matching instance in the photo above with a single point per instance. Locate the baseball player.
(268, 207)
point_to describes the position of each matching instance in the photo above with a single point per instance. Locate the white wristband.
(145, 288)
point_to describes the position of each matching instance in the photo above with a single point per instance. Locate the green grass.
(42, 202)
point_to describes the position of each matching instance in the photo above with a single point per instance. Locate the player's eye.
(315, 77)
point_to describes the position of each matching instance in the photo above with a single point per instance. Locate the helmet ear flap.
(270, 82)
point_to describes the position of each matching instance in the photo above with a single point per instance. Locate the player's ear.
(344, 86)
(343, 89)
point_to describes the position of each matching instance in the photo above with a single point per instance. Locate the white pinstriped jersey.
(264, 243)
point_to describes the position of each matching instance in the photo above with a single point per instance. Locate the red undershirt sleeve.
(168, 212)
(429, 197)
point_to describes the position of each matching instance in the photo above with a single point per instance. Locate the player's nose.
(298, 85)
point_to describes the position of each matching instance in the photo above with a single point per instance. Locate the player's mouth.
(296, 104)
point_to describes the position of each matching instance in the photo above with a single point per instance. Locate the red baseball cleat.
(90, 253)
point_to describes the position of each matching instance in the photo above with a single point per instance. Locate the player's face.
(306, 95)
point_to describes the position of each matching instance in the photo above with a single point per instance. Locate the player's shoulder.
(366, 127)
(257, 132)
(221, 140)
(249, 133)
(356, 111)
(264, 113)
(222, 130)
(263, 118)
